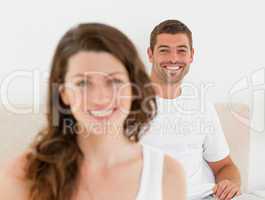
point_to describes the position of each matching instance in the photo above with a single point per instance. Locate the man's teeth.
(101, 113)
(173, 67)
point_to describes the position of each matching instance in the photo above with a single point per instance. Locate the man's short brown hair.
(171, 27)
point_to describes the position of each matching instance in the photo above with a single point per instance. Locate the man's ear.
(150, 54)
(192, 55)
(64, 95)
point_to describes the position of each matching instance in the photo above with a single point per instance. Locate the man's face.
(171, 57)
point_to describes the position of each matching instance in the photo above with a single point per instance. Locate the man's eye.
(163, 50)
(182, 51)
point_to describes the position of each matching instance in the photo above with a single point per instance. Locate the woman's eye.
(116, 81)
(82, 83)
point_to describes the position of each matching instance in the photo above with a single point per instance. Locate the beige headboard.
(235, 119)
(17, 131)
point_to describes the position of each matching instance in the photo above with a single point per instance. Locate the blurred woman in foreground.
(100, 102)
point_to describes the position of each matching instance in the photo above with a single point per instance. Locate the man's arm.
(227, 178)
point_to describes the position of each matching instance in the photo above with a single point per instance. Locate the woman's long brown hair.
(52, 166)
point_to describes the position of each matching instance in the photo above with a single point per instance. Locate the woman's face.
(98, 90)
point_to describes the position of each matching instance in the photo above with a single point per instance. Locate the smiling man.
(188, 128)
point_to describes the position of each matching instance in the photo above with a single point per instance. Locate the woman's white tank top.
(152, 174)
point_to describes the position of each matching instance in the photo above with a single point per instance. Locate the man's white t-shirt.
(189, 130)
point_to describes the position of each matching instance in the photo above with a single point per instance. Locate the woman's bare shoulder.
(174, 181)
(13, 184)
(15, 167)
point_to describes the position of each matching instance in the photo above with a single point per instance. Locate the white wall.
(257, 145)
(228, 39)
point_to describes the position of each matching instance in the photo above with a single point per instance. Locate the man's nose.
(174, 57)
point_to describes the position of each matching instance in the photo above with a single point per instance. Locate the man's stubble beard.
(165, 79)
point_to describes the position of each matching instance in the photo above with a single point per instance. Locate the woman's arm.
(174, 182)
(12, 181)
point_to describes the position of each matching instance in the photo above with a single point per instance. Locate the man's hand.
(227, 178)
(226, 190)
